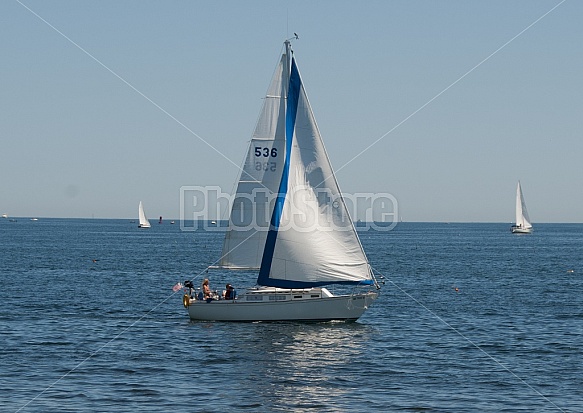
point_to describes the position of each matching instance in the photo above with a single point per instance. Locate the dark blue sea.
(471, 319)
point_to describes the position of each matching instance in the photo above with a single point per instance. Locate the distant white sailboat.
(287, 161)
(523, 225)
(144, 223)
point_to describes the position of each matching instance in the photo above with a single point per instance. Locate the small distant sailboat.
(523, 225)
(144, 223)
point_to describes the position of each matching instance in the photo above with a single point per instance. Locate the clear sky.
(452, 102)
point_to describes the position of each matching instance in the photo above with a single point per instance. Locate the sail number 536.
(265, 152)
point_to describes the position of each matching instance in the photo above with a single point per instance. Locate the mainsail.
(522, 219)
(259, 180)
(308, 238)
(144, 223)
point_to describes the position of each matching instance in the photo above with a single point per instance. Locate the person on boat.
(230, 292)
(206, 290)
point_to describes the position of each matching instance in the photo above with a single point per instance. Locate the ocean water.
(471, 319)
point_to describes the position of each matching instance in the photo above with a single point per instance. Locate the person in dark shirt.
(230, 292)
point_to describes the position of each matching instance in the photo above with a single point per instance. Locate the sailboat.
(523, 225)
(144, 223)
(289, 223)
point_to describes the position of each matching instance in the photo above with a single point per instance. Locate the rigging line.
(119, 334)
(472, 343)
(450, 86)
(131, 86)
(90, 356)
(126, 82)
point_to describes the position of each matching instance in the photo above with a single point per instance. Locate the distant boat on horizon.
(144, 223)
(523, 225)
(4, 215)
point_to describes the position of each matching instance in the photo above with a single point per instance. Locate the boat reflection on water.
(305, 366)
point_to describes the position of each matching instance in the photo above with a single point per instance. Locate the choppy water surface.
(471, 318)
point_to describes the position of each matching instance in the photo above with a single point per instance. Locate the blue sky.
(450, 106)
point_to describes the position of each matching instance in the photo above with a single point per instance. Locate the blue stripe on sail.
(293, 96)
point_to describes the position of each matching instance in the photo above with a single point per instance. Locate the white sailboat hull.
(520, 230)
(283, 305)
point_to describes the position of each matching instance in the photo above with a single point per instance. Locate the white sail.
(522, 219)
(144, 223)
(314, 242)
(259, 180)
(301, 234)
